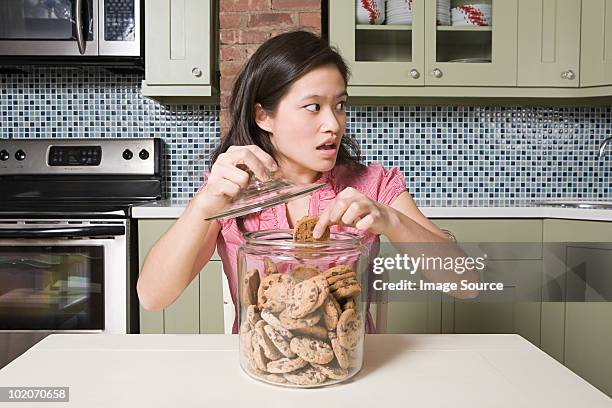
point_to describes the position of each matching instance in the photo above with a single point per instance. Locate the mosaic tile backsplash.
(449, 155)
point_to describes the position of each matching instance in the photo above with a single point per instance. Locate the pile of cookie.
(302, 327)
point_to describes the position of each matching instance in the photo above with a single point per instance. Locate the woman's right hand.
(226, 179)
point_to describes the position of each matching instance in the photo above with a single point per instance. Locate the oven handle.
(92, 231)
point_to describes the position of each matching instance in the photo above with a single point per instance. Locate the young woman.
(287, 112)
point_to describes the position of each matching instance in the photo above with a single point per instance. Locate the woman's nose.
(332, 122)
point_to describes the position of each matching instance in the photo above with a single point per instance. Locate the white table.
(449, 370)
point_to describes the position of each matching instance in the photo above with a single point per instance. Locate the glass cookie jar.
(301, 312)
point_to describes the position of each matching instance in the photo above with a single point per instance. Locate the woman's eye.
(313, 107)
(341, 105)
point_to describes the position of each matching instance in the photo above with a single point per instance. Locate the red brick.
(244, 5)
(227, 83)
(232, 53)
(231, 68)
(269, 19)
(231, 37)
(312, 5)
(310, 20)
(230, 20)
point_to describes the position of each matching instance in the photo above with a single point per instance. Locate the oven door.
(49, 27)
(63, 276)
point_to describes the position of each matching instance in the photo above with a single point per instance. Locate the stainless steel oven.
(64, 275)
(62, 28)
(66, 235)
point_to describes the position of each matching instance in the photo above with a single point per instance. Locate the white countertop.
(448, 370)
(174, 209)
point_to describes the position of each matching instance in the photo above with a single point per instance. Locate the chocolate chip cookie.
(273, 292)
(303, 230)
(312, 350)
(286, 365)
(306, 376)
(349, 329)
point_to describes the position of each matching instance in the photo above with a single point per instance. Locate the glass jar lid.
(263, 194)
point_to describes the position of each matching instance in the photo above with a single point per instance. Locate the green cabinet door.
(557, 233)
(409, 312)
(588, 314)
(199, 309)
(211, 298)
(177, 42)
(596, 39)
(516, 309)
(180, 48)
(472, 55)
(549, 43)
(149, 232)
(514, 253)
(379, 54)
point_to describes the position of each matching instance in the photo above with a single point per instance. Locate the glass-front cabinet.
(427, 42)
(382, 48)
(473, 44)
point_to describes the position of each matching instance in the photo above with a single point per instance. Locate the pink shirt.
(376, 182)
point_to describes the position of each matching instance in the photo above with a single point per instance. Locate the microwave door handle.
(92, 231)
(79, 27)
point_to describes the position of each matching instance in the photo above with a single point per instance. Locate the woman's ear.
(262, 118)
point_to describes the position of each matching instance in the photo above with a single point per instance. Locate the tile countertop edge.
(175, 211)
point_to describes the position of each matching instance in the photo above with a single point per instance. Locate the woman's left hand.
(352, 208)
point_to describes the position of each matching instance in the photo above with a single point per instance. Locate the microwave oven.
(56, 31)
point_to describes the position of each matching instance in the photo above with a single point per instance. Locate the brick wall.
(245, 24)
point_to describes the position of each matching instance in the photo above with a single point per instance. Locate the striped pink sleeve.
(389, 184)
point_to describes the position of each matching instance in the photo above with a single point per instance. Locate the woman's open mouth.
(328, 148)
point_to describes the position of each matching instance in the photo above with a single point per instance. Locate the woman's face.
(311, 114)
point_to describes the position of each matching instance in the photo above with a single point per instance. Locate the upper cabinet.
(549, 43)
(390, 54)
(596, 39)
(417, 45)
(475, 47)
(469, 48)
(180, 49)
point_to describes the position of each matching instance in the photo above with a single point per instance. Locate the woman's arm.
(183, 251)
(409, 225)
(176, 259)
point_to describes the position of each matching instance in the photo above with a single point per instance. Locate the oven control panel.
(74, 156)
(120, 156)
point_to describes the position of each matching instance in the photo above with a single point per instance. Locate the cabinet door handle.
(436, 72)
(569, 74)
(197, 72)
(414, 73)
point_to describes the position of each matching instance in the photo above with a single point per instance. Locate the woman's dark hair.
(265, 79)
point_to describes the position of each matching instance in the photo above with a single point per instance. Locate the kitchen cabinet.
(472, 56)
(517, 265)
(596, 39)
(180, 49)
(199, 309)
(423, 53)
(557, 233)
(532, 49)
(588, 313)
(576, 328)
(549, 43)
(514, 258)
